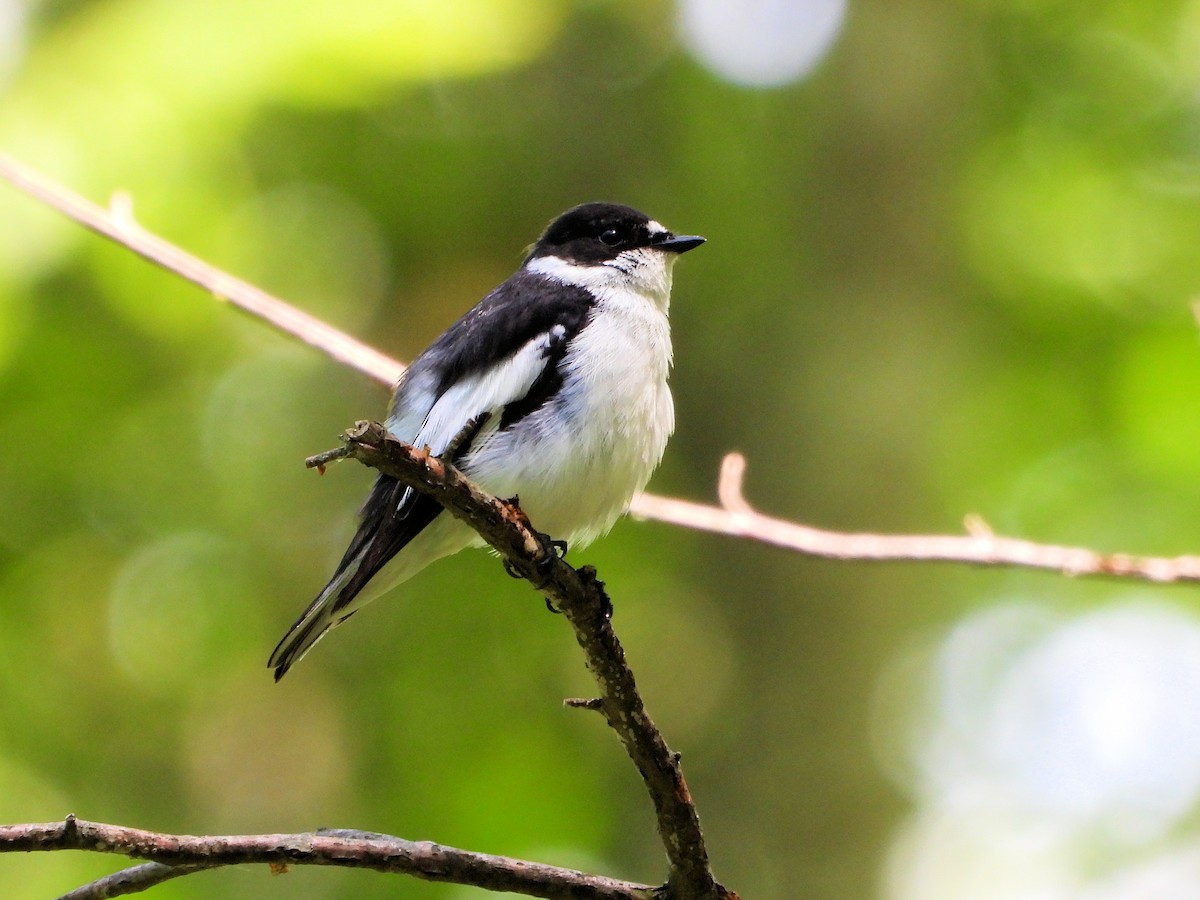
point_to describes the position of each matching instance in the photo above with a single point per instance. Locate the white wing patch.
(488, 391)
(416, 398)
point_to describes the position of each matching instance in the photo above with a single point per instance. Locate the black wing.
(526, 308)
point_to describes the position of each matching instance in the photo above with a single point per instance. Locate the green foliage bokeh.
(948, 272)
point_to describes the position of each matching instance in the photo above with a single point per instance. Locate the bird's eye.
(610, 238)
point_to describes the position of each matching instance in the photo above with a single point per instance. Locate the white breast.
(576, 463)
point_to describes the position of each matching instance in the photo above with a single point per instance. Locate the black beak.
(679, 243)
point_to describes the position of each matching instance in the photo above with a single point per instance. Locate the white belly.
(584, 455)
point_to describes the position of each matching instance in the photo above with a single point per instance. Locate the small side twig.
(320, 460)
(133, 880)
(593, 703)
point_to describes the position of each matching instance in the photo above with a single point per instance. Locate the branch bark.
(171, 853)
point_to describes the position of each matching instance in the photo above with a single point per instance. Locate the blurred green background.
(952, 253)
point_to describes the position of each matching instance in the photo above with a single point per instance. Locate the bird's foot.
(552, 551)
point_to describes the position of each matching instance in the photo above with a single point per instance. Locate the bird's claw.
(551, 550)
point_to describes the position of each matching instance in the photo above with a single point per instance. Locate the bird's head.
(609, 246)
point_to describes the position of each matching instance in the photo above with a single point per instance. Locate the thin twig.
(980, 545)
(592, 703)
(320, 460)
(133, 880)
(733, 517)
(382, 853)
(118, 224)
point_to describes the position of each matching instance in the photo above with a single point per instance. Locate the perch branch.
(581, 598)
(379, 852)
(738, 519)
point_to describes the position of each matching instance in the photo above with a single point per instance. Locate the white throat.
(644, 271)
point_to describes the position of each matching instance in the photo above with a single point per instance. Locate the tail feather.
(324, 613)
(391, 521)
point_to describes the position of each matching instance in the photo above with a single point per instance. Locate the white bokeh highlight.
(760, 43)
(12, 37)
(1049, 743)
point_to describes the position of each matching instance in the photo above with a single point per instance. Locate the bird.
(552, 389)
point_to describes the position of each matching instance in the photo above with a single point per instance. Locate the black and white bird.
(553, 389)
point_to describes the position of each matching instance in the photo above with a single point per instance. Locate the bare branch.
(980, 545)
(382, 853)
(581, 598)
(117, 224)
